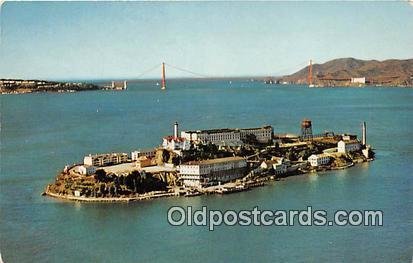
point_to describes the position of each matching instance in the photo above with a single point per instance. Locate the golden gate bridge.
(163, 65)
(163, 72)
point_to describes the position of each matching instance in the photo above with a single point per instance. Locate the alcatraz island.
(216, 161)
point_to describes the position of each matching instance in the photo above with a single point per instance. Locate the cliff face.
(340, 71)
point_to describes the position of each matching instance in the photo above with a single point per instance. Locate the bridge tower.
(163, 77)
(310, 73)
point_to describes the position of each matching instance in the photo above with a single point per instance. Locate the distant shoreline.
(20, 86)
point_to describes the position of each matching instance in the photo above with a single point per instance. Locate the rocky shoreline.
(241, 185)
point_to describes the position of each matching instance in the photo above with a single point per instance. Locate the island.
(214, 161)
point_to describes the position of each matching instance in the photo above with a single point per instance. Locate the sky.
(104, 40)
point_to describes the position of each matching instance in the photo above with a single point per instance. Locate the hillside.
(338, 72)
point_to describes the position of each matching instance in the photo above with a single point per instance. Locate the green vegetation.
(107, 185)
(205, 151)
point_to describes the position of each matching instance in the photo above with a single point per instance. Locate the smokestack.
(125, 84)
(364, 134)
(176, 129)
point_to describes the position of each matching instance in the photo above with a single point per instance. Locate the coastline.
(147, 196)
(258, 182)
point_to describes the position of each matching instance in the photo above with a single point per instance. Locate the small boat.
(230, 190)
(192, 193)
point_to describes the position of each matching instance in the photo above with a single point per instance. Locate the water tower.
(306, 129)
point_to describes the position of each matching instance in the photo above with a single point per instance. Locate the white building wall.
(196, 174)
(263, 134)
(86, 169)
(105, 159)
(344, 147)
(320, 159)
(358, 80)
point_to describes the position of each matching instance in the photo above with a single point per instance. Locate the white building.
(229, 136)
(348, 137)
(359, 80)
(263, 134)
(267, 164)
(119, 85)
(280, 165)
(348, 146)
(105, 159)
(211, 172)
(150, 153)
(216, 136)
(175, 143)
(319, 159)
(86, 169)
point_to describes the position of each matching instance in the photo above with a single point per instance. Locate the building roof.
(173, 138)
(350, 141)
(105, 154)
(257, 128)
(270, 162)
(319, 155)
(209, 131)
(217, 160)
(213, 131)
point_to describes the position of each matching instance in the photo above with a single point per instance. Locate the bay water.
(42, 132)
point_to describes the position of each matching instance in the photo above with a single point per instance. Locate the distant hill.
(339, 72)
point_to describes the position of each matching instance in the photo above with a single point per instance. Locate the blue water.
(43, 132)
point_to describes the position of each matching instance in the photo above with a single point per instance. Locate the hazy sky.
(69, 40)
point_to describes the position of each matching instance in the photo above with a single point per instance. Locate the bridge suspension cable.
(187, 71)
(148, 70)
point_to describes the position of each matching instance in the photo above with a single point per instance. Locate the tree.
(100, 175)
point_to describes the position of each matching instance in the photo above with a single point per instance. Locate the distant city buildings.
(211, 172)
